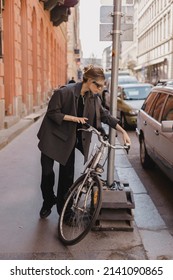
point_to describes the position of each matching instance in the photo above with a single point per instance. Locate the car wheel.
(124, 123)
(146, 160)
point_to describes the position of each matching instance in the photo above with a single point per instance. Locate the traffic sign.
(106, 26)
(106, 31)
(106, 14)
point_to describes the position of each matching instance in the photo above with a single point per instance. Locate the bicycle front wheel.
(80, 210)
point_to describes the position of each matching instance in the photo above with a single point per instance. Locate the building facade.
(150, 55)
(155, 39)
(73, 46)
(127, 48)
(33, 54)
(107, 58)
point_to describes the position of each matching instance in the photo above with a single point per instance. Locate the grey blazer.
(57, 137)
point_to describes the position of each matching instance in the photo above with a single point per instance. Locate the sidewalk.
(149, 240)
(7, 135)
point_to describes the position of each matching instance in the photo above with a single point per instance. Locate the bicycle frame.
(100, 150)
(90, 167)
(84, 199)
(95, 158)
(80, 188)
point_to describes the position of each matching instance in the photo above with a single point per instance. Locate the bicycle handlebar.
(103, 138)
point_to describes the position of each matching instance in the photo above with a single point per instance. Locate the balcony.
(59, 14)
(59, 9)
(51, 4)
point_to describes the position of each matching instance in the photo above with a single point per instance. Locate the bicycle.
(84, 198)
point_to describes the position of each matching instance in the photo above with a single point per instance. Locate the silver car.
(122, 79)
(155, 129)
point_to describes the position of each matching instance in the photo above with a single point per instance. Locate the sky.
(89, 28)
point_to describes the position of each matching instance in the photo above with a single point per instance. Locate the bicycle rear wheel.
(80, 210)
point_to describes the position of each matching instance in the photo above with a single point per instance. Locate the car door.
(165, 141)
(151, 126)
(145, 122)
(154, 126)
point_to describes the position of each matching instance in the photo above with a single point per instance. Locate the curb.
(7, 135)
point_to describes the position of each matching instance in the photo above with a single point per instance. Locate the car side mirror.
(167, 126)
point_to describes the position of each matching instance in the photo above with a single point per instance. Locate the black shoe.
(46, 210)
(44, 213)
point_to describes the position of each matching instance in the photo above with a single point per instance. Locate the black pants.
(66, 178)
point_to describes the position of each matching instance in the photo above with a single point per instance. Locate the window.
(129, 2)
(168, 110)
(1, 7)
(149, 101)
(157, 106)
(0, 40)
(137, 93)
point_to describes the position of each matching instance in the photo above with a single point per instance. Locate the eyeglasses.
(99, 86)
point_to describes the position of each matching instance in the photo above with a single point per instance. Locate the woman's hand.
(125, 136)
(81, 120)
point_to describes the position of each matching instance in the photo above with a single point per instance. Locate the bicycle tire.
(76, 220)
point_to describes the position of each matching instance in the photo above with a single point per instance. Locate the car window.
(136, 93)
(149, 101)
(157, 106)
(168, 110)
(127, 80)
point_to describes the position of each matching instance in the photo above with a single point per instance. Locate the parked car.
(120, 73)
(129, 101)
(165, 82)
(155, 129)
(127, 80)
(123, 79)
(130, 98)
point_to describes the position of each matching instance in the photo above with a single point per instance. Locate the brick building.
(33, 54)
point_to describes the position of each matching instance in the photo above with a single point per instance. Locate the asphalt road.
(158, 186)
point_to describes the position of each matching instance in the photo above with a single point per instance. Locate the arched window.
(42, 61)
(34, 57)
(24, 54)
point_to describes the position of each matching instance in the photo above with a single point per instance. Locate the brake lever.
(127, 148)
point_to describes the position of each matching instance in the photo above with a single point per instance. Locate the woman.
(70, 107)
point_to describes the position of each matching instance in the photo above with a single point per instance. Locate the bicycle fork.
(90, 194)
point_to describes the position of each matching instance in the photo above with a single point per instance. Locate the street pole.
(114, 84)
